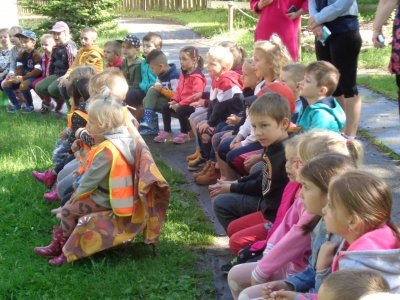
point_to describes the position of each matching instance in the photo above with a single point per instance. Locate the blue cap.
(27, 33)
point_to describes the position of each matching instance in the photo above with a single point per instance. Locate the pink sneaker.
(181, 138)
(52, 195)
(163, 137)
(47, 177)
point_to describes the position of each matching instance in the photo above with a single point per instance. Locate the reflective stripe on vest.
(82, 114)
(120, 180)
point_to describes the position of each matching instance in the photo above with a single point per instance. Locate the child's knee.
(25, 86)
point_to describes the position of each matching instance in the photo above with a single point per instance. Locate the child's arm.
(136, 76)
(13, 61)
(249, 185)
(77, 122)
(197, 86)
(37, 71)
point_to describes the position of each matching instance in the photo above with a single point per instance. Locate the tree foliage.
(78, 14)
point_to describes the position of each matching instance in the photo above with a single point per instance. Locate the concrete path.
(379, 118)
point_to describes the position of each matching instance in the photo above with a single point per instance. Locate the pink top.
(273, 19)
(288, 248)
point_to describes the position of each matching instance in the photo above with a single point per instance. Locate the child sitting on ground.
(191, 81)
(160, 93)
(5, 53)
(323, 111)
(28, 70)
(112, 54)
(108, 163)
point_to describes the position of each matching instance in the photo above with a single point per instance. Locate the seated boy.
(323, 111)
(28, 68)
(112, 54)
(160, 93)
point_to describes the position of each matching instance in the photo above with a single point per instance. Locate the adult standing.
(274, 18)
(341, 49)
(383, 11)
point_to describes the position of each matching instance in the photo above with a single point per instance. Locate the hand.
(312, 24)
(325, 255)
(62, 81)
(17, 79)
(226, 135)
(10, 76)
(195, 96)
(203, 127)
(272, 286)
(283, 295)
(318, 32)
(293, 15)
(157, 86)
(263, 3)
(174, 107)
(76, 145)
(233, 120)
(63, 135)
(236, 142)
(375, 38)
(199, 103)
(172, 102)
(220, 187)
(251, 161)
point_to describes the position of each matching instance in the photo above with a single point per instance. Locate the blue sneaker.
(149, 131)
(13, 109)
(28, 109)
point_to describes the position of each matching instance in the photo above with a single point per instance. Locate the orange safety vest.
(121, 181)
(82, 114)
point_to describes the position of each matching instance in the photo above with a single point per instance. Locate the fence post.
(230, 15)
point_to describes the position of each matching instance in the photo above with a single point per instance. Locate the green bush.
(99, 14)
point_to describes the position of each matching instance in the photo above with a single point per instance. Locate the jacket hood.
(235, 77)
(330, 105)
(170, 74)
(95, 48)
(121, 139)
(197, 73)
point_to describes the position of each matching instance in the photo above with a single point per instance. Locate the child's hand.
(251, 161)
(62, 81)
(63, 134)
(236, 142)
(172, 103)
(283, 295)
(174, 106)
(226, 135)
(76, 145)
(195, 96)
(220, 188)
(272, 286)
(325, 255)
(233, 120)
(10, 76)
(157, 86)
(17, 79)
(203, 127)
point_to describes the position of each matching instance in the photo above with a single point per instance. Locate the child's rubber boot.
(54, 248)
(152, 128)
(147, 118)
(47, 177)
(59, 260)
(52, 195)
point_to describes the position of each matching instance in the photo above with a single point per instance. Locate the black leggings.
(342, 49)
(182, 113)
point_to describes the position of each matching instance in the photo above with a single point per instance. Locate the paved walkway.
(379, 117)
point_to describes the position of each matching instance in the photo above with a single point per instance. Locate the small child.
(108, 164)
(292, 75)
(112, 54)
(14, 39)
(191, 81)
(90, 54)
(28, 70)
(5, 52)
(352, 285)
(160, 93)
(47, 43)
(239, 55)
(323, 111)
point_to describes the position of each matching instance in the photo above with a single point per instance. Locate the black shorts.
(342, 49)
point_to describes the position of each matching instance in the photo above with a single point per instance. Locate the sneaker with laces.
(163, 137)
(28, 109)
(181, 138)
(13, 109)
(45, 108)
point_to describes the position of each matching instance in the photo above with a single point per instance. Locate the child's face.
(47, 45)
(60, 38)
(267, 130)
(214, 68)
(260, 64)
(249, 77)
(14, 39)
(88, 39)
(27, 44)
(4, 39)
(312, 196)
(109, 55)
(290, 164)
(128, 51)
(309, 88)
(286, 78)
(336, 218)
(156, 68)
(187, 63)
(148, 47)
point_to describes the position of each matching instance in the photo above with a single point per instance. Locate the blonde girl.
(191, 81)
(239, 55)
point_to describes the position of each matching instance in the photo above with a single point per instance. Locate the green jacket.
(132, 72)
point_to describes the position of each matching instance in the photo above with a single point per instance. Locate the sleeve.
(197, 85)
(249, 185)
(332, 11)
(75, 61)
(174, 83)
(70, 55)
(320, 277)
(179, 89)
(254, 6)
(98, 170)
(312, 8)
(19, 64)
(13, 61)
(37, 71)
(137, 76)
(77, 122)
(51, 64)
(303, 281)
(86, 137)
(245, 129)
(320, 119)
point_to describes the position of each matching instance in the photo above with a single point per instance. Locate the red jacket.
(188, 85)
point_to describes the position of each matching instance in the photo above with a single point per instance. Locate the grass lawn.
(127, 272)
(384, 84)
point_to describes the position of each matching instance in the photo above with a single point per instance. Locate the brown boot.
(196, 164)
(203, 171)
(193, 156)
(210, 177)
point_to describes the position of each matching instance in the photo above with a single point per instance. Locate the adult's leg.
(239, 278)
(231, 206)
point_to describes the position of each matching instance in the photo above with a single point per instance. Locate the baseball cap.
(132, 40)
(281, 89)
(27, 33)
(60, 27)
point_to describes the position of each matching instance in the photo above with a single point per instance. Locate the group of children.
(283, 181)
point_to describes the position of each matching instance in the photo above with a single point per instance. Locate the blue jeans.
(25, 88)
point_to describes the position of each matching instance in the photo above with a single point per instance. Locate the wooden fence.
(127, 5)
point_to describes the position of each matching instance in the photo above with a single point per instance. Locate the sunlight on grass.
(384, 84)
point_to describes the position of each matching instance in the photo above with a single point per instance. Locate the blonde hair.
(4, 30)
(275, 53)
(106, 113)
(316, 142)
(353, 284)
(46, 36)
(292, 144)
(296, 71)
(114, 46)
(221, 55)
(239, 54)
(325, 74)
(15, 29)
(272, 105)
(109, 83)
(365, 196)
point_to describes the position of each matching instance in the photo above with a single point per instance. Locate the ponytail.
(355, 150)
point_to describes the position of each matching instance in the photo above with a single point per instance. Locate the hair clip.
(104, 98)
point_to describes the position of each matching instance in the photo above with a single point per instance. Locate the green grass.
(127, 272)
(382, 83)
(374, 58)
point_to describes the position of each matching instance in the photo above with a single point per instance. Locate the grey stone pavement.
(379, 117)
